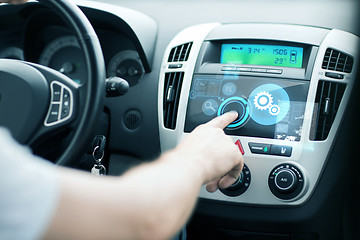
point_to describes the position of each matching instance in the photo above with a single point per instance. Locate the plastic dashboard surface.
(290, 106)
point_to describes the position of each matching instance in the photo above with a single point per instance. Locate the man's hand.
(219, 157)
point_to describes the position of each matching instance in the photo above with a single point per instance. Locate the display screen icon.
(270, 103)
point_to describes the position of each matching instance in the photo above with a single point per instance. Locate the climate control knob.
(286, 181)
(240, 185)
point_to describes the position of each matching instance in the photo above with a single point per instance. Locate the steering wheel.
(37, 102)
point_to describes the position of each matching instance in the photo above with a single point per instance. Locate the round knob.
(285, 180)
(240, 185)
(238, 104)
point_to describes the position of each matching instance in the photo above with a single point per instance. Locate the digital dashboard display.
(268, 107)
(256, 54)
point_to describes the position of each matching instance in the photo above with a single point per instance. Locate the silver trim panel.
(309, 156)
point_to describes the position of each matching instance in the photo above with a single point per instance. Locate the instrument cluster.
(55, 47)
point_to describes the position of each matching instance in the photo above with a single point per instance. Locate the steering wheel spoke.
(38, 103)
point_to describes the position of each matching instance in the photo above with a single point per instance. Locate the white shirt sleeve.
(29, 191)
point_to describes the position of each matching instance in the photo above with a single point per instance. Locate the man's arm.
(152, 201)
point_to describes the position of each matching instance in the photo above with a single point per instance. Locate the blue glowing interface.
(268, 108)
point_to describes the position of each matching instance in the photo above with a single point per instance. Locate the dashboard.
(287, 90)
(290, 69)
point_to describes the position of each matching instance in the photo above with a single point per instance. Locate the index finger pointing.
(223, 120)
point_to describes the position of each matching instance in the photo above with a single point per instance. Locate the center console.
(290, 85)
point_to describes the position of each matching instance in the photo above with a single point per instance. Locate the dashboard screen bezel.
(208, 61)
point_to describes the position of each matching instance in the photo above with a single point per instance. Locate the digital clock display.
(256, 54)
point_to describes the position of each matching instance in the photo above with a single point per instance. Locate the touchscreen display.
(267, 107)
(256, 54)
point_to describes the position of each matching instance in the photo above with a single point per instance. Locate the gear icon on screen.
(263, 100)
(274, 110)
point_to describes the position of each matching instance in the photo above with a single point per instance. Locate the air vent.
(328, 98)
(180, 53)
(172, 90)
(337, 61)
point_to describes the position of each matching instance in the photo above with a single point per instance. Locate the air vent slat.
(180, 53)
(328, 99)
(337, 61)
(172, 91)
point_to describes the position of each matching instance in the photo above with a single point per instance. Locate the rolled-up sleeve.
(29, 191)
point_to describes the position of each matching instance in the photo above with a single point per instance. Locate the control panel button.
(240, 185)
(274, 71)
(228, 68)
(238, 143)
(259, 70)
(334, 75)
(243, 69)
(238, 104)
(174, 66)
(286, 181)
(281, 150)
(260, 148)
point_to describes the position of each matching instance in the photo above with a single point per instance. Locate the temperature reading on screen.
(268, 55)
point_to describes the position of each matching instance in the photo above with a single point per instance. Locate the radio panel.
(290, 85)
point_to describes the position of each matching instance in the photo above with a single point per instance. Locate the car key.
(98, 168)
(98, 154)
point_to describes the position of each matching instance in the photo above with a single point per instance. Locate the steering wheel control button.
(240, 185)
(239, 145)
(260, 148)
(286, 181)
(238, 104)
(281, 150)
(61, 104)
(56, 93)
(54, 113)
